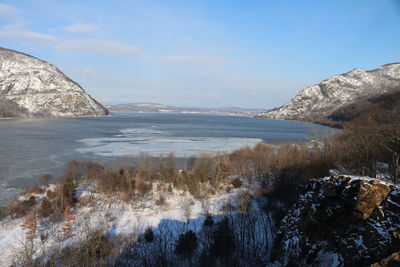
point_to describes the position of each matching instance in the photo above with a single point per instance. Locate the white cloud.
(18, 32)
(90, 46)
(89, 71)
(99, 46)
(13, 32)
(7, 11)
(84, 28)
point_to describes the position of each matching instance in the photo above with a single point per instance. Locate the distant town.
(160, 108)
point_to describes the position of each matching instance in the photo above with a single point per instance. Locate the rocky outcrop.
(324, 98)
(340, 221)
(41, 89)
(391, 261)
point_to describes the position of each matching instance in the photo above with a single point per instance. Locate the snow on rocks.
(43, 89)
(342, 220)
(337, 91)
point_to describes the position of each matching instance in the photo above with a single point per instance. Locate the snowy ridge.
(327, 96)
(43, 89)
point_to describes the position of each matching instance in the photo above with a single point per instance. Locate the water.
(29, 148)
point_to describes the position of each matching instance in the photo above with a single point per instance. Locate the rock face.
(341, 221)
(324, 98)
(41, 89)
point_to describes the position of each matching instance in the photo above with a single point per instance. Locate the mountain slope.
(322, 99)
(41, 89)
(379, 107)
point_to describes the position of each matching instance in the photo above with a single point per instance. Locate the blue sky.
(203, 53)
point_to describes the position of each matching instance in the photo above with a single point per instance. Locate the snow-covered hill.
(42, 89)
(325, 97)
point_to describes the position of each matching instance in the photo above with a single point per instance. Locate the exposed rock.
(341, 220)
(324, 98)
(392, 260)
(370, 195)
(41, 89)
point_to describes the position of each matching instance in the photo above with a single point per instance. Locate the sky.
(243, 53)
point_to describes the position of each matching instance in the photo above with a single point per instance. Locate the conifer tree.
(223, 239)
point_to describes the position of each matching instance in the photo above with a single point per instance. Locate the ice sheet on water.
(156, 142)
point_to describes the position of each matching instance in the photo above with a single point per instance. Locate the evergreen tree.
(209, 221)
(186, 244)
(149, 235)
(223, 239)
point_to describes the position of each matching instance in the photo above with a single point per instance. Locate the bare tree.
(186, 205)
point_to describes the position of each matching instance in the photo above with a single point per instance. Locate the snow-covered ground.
(121, 219)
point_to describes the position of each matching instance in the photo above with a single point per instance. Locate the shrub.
(244, 162)
(142, 187)
(45, 209)
(30, 227)
(93, 171)
(21, 208)
(186, 244)
(186, 207)
(244, 199)
(73, 170)
(147, 167)
(3, 212)
(149, 235)
(96, 246)
(33, 190)
(69, 219)
(55, 201)
(167, 168)
(208, 221)
(68, 190)
(160, 201)
(116, 178)
(237, 183)
(223, 239)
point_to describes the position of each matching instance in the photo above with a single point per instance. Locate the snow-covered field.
(120, 220)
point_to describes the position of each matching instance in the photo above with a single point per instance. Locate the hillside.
(380, 106)
(321, 100)
(30, 87)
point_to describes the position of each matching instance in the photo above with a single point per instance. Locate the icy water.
(29, 148)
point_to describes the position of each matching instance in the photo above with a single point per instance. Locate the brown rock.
(392, 260)
(370, 195)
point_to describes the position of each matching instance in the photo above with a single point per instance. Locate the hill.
(31, 87)
(320, 101)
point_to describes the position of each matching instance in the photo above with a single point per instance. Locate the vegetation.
(9, 108)
(235, 238)
(186, 244)
(382, 104)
